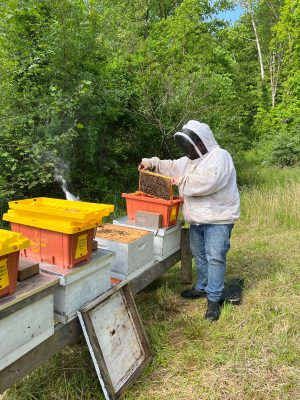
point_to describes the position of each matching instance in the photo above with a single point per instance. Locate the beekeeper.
(206, 179)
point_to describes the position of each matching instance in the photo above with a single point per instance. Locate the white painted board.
(116, 339)
(24, 329)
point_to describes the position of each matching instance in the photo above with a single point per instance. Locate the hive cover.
(156, 185)
(116, 339)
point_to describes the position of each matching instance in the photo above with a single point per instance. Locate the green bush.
(286, 150)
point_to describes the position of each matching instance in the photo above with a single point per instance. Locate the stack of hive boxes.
(150, 232)
(61, 234)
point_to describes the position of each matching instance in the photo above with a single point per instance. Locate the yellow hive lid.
(75, 210)
(57, 215)
(11, 242)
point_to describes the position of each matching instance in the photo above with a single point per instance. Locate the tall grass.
(251, 353)
(274, 207)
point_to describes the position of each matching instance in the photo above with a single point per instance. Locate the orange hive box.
(10, 245)
(139, 201)
(60, 231)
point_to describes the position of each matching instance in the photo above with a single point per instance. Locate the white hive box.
(166, 240)
(81, 284)
(26, 317)
(133, 247)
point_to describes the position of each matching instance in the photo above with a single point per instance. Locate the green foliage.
(88, 88)
(279, 126)
(286, 149)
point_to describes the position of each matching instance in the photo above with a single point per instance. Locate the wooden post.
(186, 257)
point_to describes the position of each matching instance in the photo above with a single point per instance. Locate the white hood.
(204, 132)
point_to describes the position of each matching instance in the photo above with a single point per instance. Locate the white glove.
(145, 164)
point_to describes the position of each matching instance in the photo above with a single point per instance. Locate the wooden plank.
(142, 337)
(27, 268)
(186, 257)
(148, 219)
(97, 355)
(63, 336)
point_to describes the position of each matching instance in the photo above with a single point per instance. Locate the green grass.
(252, 352)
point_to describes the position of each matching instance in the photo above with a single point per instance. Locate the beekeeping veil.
(195, 139)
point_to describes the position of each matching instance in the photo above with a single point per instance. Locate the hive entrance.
(156, 185)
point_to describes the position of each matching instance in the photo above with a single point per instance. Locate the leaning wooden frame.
(156, 185)
(116, 339)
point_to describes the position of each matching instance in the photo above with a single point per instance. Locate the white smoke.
(61, 169)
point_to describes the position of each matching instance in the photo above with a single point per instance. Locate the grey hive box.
(80, 284)
(131, 255)
(166, 240)
(26, 317)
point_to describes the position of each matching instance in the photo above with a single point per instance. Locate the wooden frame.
(118, 345)
(166, 178)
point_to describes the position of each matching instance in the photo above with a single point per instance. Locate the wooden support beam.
(186, 257)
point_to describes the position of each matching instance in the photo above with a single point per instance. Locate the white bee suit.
(207, 184)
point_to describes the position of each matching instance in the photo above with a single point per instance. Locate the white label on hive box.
(81, 249)
(4, 279)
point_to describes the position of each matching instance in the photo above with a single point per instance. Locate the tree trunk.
(276, 59)
(262, 71)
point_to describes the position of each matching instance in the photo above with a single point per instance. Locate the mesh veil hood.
(204, 132)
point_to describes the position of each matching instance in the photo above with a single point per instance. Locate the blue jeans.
(209, 245)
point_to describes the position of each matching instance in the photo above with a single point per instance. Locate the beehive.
(10, 245)
(140, 201)
(133, 247)
(60, 231)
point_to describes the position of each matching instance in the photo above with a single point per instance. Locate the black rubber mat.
(232, 292)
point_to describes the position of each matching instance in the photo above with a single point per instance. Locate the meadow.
(252, 352)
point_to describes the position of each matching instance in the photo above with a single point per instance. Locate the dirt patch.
(120, 233)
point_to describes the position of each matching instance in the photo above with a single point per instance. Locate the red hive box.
(10, 245)
(142, 202)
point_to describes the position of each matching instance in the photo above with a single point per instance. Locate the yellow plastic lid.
(75, 210)
(11, 242)
(63, 216)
